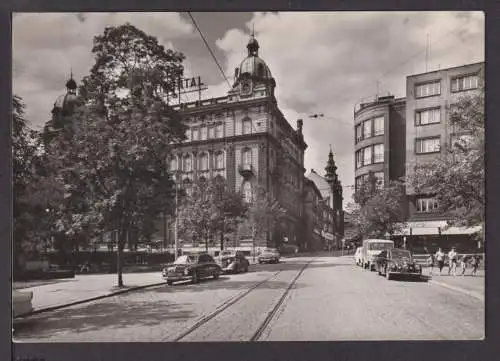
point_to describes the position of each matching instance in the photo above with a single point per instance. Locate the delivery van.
(371, 248)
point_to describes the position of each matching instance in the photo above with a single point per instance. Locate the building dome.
(65, 103)
(255, 67)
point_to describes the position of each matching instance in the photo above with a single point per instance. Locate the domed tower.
(253, 77)
(64, 107)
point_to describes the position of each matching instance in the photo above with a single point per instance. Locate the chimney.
(299, 126)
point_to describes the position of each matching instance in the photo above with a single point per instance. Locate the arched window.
(173, 163)
(219, 160)
(203, 161)
(247, 191)
(246, 156)
(247, 126)
(188, 164)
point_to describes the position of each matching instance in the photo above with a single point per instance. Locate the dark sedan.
(396, 261)
(191, 268)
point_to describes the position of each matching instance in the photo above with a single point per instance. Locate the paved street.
(331, 300)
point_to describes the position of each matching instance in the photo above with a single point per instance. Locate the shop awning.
(461, 230)
(433, 228)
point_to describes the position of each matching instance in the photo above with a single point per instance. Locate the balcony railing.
(246, 170)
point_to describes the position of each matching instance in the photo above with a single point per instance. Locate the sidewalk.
(84, 288)
(472, 286)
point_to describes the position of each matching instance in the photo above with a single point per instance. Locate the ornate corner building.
(245, 138)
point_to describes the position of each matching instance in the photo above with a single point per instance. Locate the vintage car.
(192, 268)
(358, 256)
(396, 261)
(233, 262)
(21, 303)
(269, 255)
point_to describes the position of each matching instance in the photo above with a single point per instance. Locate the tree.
(263, 214)
(457, 177)
(111, 158)
(381, 212)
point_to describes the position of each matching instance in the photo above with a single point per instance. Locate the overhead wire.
(209, 49)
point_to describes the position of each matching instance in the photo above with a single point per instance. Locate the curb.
(459, 289)
(74, 303)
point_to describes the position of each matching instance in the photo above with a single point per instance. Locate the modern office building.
(379, 143)
(392, 136)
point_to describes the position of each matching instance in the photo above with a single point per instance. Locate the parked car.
(191, 267)
(234, 262)
(371, 248)
(358, 256)
(269, 255)
(397, 261)
(21, 303)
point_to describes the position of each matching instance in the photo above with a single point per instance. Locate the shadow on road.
(104, 314)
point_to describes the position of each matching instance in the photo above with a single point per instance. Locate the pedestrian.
(452, 262)
(475, 265)
(440, 260)
(430, 263)
(463, 264)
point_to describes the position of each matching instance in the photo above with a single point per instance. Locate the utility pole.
(176, 245)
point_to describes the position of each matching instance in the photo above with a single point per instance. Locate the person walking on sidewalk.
(452, 262)
(430, 263)
(475, 265)
(440, 259)
(463, 264)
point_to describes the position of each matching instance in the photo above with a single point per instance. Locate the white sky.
(322, 62)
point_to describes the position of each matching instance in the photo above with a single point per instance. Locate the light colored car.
(358, 256)
(234, 262)
(21, 303)
(269, 255)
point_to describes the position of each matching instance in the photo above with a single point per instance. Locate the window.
(188, 135)
(173, 164)
(196, 134)
(187, 186)
(203, 161)
(378, 153)
(359, 133)
(428, 89)
(465, 83)
(426, 205)
(367, 155)
(219, 160)
(204, 131)
(367, 129)
(380, 179)
(218, 131)
(359, 158)
(378, 125)
(428, 145)
(428, 116)
(247, 157)
(211, 132)
(247, 126)
(188, 165)
(247, 191)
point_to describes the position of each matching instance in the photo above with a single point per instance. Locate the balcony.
(246, 170)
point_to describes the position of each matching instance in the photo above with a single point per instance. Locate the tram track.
(233, 300)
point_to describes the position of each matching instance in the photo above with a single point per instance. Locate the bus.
(371, 248)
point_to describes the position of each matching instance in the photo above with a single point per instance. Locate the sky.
(323, 62)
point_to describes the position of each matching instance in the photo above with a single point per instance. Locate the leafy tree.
(456, 178)
(382, 212)
(263, 214)
(210, 209)
(112, 158)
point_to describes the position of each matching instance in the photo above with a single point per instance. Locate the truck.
(371, 248)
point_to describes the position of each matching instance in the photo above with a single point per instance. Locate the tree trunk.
(119, 247)
(221, 241)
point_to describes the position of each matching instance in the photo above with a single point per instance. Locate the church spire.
(331, 168)
(71, 84)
